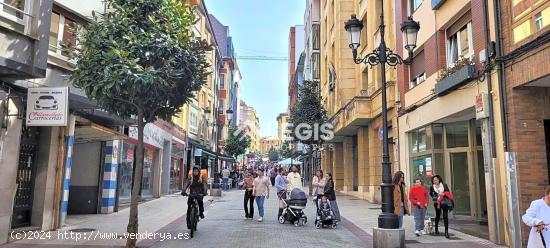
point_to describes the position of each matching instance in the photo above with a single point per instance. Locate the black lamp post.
(382, 56)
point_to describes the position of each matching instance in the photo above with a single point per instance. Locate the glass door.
(460, 182)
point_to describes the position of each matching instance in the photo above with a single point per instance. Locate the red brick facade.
(527, 108)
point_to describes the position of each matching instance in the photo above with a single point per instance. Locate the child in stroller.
(293, 210)
(325, 217)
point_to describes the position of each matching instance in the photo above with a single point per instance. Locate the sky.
(261, 28)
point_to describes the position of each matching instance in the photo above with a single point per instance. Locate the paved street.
(225, 226)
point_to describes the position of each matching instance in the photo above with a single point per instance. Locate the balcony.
(455, 80)
(436, 4)
(360, 111)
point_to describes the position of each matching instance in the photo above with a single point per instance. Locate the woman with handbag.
(318, 185)
(440, 194)
(331, 196)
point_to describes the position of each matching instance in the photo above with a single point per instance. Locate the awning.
(83, 106)
(91, 132)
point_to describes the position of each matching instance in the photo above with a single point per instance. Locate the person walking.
(225, 178)
(438, 191)
(272, 175)
(331, 196)
(318, 184)
(537, 216)
(294, 179)
(281, 183)
(261, 192)
(400, 204)
(418, 195)
(248, 186)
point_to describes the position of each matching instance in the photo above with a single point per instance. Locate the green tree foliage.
(141, 60)
(236, 143)
(285, 151)
(273, 154)
(308, 110)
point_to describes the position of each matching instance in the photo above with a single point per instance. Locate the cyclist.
(197, 188)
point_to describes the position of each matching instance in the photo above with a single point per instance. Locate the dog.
(429, 225)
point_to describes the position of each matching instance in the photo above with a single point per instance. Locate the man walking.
(225, 178)
(261, 192)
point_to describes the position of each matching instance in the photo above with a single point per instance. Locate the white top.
(538, 212)
(318, 185)
(439, 189)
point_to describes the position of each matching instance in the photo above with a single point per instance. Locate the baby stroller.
(293, 210)
(325, 216)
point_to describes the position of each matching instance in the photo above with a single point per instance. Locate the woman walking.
(294, 179)
(248, 185)
(261, 192)
(399, 197)
(318, 185)
(281, 183)
(537, 217)
(418, 195)
(438, 192)
(331, 195)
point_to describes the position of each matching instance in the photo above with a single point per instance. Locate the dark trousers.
(438, 212)
(248, 198)
(199, 201)
(272, 181)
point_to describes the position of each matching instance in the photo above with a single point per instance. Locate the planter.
(455, 80)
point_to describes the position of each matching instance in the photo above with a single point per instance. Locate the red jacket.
(419, 194)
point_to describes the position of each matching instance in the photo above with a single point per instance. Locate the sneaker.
(260, 219)
(423, 232)
(417, 233)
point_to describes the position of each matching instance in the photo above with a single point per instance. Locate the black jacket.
(434, 194)
(329, 190)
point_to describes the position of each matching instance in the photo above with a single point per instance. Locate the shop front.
(454, 151)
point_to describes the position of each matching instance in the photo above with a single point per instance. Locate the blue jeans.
(260, 202)
(225, 184)
(419, 216)
(400, 221)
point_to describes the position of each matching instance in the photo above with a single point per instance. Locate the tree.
(141, 60)
(308, 110)
(285, 151)
(236, 143)
(273, 154)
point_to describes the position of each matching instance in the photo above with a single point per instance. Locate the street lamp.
(382, 56)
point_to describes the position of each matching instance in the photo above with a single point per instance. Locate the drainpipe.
(513, 215)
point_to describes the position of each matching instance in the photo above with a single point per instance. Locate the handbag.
(450, 204)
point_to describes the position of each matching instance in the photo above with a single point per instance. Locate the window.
(414, 4)
(420, 140)
(222, 81)
(457, 134)
(417, 70)
(316, 40)
(417, 80)
(194, 124)
(62, 34)
(529, 17)
(13, 10)
(316, 64)
(542, 19)
(459, 45)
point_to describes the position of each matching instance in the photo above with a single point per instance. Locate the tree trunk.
(136, 186)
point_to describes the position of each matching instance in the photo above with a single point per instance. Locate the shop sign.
(47, 106)
(482, 106)
(152, 135)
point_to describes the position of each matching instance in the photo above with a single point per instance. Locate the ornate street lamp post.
(382, 56)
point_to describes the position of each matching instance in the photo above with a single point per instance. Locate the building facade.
(268, 143)
(250, 123)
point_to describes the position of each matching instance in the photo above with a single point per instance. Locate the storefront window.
(437, 131)
(457, 134)
(420, 140)
(126, 172)
(479, 140)
(147, 178)
(421, 167)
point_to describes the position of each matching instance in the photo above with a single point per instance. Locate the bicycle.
(193, 213)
